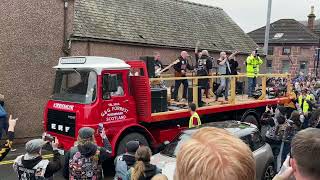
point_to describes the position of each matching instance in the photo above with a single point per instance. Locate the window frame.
(284, 50)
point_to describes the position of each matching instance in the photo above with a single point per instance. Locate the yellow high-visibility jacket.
(305, 105)
(253, 64)
(195, 115)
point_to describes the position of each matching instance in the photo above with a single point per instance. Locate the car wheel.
(269, 172)
(131, 137)
(251, 119)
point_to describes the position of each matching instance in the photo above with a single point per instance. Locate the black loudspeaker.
(239, 87)
(149, 60)
(190, 94)
(159, 100)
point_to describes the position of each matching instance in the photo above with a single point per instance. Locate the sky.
(252, 14)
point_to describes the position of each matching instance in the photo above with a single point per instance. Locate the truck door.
(118, 107)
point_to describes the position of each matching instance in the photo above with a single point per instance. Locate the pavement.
(6, 170)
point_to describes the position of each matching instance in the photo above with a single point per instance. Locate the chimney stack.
(311, 19)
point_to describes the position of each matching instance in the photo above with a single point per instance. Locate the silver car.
(166, 159)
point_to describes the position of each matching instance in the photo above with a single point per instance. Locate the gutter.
(66, 46)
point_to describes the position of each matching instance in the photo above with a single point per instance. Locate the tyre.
(269, 172)
(131, 137)
(251, 119)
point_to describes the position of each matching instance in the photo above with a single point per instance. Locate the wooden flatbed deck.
(236, 102)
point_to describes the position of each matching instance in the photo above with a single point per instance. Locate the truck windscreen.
(75, 85)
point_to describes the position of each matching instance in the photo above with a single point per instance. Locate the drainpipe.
(66, 46)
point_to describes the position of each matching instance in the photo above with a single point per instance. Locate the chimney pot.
(311, 19)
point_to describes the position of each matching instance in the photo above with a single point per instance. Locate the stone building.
(292, 46)
(35, 33)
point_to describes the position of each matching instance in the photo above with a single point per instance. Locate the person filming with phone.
(253, 62)
(31, 165)
(84, 160)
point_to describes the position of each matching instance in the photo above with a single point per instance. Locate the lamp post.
(266, 36)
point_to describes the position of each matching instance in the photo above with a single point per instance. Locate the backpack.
(121, 168)
(84, 168)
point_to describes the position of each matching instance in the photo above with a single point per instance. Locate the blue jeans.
(251, 85)
(224, 85)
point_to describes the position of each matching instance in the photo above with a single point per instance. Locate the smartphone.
(100, 128)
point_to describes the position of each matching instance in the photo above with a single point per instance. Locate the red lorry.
(90, 90)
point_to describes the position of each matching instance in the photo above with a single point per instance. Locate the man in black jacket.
(84, 160)
(203, 67)
(8, 144)
(32, 166)
(180, 71)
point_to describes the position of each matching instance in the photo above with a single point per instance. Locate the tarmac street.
(7, 172)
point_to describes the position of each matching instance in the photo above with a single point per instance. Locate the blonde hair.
(214, 154)
(159, 177)
(142, 156)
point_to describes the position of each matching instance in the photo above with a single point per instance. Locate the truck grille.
(61, 122)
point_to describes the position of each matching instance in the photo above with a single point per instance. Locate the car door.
(118, 107)
(261, 153)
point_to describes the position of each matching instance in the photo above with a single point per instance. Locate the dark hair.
(295, 117)
(192, 106)
(281, 119)
(314, 119)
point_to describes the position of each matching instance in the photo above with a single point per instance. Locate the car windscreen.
(172, 148)
(75, 85)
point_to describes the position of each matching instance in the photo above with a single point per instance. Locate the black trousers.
(177, 84)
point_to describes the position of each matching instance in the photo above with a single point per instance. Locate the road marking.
(47, 156)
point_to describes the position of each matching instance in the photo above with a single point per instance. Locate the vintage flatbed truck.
(90, 90)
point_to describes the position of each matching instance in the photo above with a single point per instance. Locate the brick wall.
(299, 55)
(31, 39)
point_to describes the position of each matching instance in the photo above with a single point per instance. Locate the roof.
(168, 23)
(91, 62)
(237, 128)
(285, 31)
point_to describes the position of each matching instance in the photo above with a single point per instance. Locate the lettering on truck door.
(117, 101)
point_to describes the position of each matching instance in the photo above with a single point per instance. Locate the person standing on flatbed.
(194, 119)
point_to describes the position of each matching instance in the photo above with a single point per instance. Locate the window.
(75, 85)
(286, 51)
(285, 66)
(136, 72)
(304, 67)
(269, 66)
(257, 141)
(270, 50)
(112, 86)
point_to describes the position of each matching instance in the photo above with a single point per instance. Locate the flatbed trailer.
(129, 116)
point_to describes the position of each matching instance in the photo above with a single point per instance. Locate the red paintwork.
(138, 106)
(216, 109)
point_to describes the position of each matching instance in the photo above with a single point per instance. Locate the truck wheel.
(251, 119)
(131, 137)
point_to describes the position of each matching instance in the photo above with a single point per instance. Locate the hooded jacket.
(52, 167)
(149, 171)
(87, 150)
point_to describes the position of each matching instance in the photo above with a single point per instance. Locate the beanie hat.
(132, 146)
(86, 132)
(34, 146)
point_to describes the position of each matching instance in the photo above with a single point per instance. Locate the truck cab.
(92, 90)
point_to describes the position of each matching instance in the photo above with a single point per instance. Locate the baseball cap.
(34, 146)
(132, 146)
